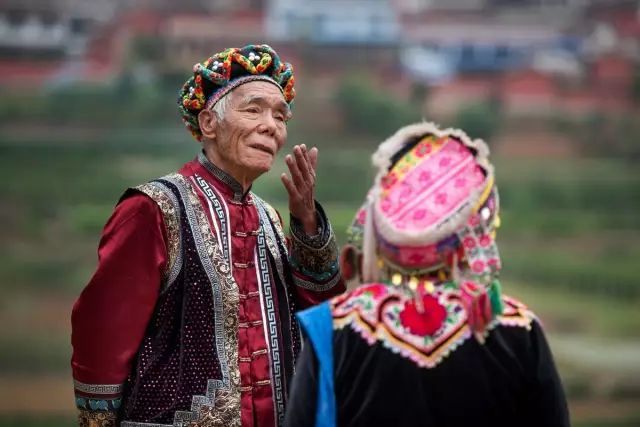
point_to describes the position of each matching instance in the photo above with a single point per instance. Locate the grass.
(567, 311)
(61, 193)
(570, 237)
(36, 352)
(630, 422)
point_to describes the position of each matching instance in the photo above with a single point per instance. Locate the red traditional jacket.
(188, 319)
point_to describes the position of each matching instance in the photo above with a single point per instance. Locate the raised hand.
(301, 186)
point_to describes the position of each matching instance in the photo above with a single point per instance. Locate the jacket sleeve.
(111, 314)
(314, 262)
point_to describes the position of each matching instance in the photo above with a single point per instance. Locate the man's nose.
(268, 124)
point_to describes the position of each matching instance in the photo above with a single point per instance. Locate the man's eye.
(253, 110)
(279, 117)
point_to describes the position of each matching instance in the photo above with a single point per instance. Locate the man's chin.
(260, 168)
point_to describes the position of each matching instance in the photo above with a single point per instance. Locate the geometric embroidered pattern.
(269, 313)
(373, 311)
(97, 388)
(220, 403)
(220, 213)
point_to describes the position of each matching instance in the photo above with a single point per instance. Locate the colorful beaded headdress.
(223, 72)
(433, 206)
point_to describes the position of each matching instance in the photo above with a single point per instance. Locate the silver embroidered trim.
(271, 326)
(137, 424)
(222, 176)
(210, 193)
(267, 213)
(98, 388)
(211, 273)
(177, 264)
(272, 240)
(227, 389)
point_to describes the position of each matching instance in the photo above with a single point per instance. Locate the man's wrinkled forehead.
(266, 95)
(276, 103)
(262, 93)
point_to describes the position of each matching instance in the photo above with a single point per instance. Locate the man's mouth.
(263, 148)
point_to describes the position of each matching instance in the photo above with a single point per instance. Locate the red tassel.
(477, 304)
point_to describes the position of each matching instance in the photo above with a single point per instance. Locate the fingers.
(296, 176)
(305, 154)
(288, 185)
(313, 158)
(306, 172)
(301, 172)
(301, 184)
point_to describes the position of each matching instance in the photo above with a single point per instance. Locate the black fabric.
(511, 380)
(173, 365)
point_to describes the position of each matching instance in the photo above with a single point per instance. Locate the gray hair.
(220, 107)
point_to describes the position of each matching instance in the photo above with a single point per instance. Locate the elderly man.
(429, 340)
(188, 319)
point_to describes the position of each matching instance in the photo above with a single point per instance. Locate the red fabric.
(111, 315)
(307, 298)
(426, 320)
(256, 396)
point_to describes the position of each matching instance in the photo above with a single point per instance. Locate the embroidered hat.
(433, 200)
(225, 71)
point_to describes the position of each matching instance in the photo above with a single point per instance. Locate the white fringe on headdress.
(381, 159)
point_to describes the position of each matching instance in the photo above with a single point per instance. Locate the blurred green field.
(570, 239)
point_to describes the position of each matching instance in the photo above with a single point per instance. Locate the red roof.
(612, 68)
(469, 86)
(625, 21)
(142, 22)
(528, 82)
(16, 73)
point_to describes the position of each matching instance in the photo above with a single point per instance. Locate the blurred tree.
(478, 120)
(147, 49)
(373, 112)
(419, 93)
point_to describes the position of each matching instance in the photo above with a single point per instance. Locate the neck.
(244, 177)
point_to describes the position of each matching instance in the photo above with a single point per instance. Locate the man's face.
(253, 129)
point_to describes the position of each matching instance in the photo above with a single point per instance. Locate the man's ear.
(208, 122)
(349, 267)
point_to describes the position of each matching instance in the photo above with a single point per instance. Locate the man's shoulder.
(153, 188)
(151, 197)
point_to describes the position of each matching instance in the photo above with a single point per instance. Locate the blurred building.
(442, 39)
(338, 22)
(192, 37)
(474, 49)
(50, 29)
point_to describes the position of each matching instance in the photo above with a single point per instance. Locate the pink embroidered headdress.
(433, 207)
